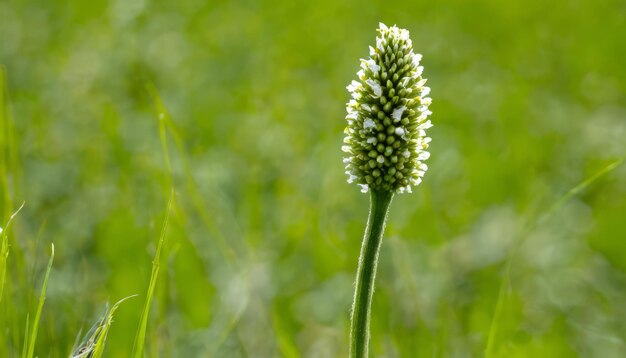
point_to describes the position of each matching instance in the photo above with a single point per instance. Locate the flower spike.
(387, 117)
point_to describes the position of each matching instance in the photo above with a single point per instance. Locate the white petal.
(366, 107)
(416, 59)
(425, 91)
(379, 44)
(382, 26)
(368, 123)
(353, 86)
(397, 113)
(346, 148)
(372, 65)
(378, 91)
(364, 188)
(371, 140)
(404, 34)
(372, 51)
(423, 156)
(425, 125)
(400, 131)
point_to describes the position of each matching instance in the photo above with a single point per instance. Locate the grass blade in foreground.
(386, 143)
(141, 332)
(4, 250)
(103, 330)
(42, 297)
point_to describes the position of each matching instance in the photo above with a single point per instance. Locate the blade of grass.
(140, 337)
(86, 347)
(506, 279)
(4, 249)
(42, 297)
(25, 346)
(103, 330)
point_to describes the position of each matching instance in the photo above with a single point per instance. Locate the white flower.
(386, 137)
(371, 64)
(368, 123)
(425, 125)
(416, 59)
(378, 91)
(353, 86)
(397, 113)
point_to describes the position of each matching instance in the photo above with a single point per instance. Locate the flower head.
(387, 117)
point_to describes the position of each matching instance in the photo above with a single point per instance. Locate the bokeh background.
(264, 235)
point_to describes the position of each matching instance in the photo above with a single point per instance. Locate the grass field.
(198, 143)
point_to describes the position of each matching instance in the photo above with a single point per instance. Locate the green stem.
(366, 273)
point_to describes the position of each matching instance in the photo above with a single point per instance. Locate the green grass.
(505, 285)
(4, 250)
(138, 348)
(103, 329)
(30, 352)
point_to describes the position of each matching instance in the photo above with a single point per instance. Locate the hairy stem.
(366, 273)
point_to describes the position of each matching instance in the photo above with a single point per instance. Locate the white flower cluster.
(387, 117)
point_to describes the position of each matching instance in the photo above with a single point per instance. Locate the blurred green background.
(261, 252)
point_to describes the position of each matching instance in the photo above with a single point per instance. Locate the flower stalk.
(366, 272)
